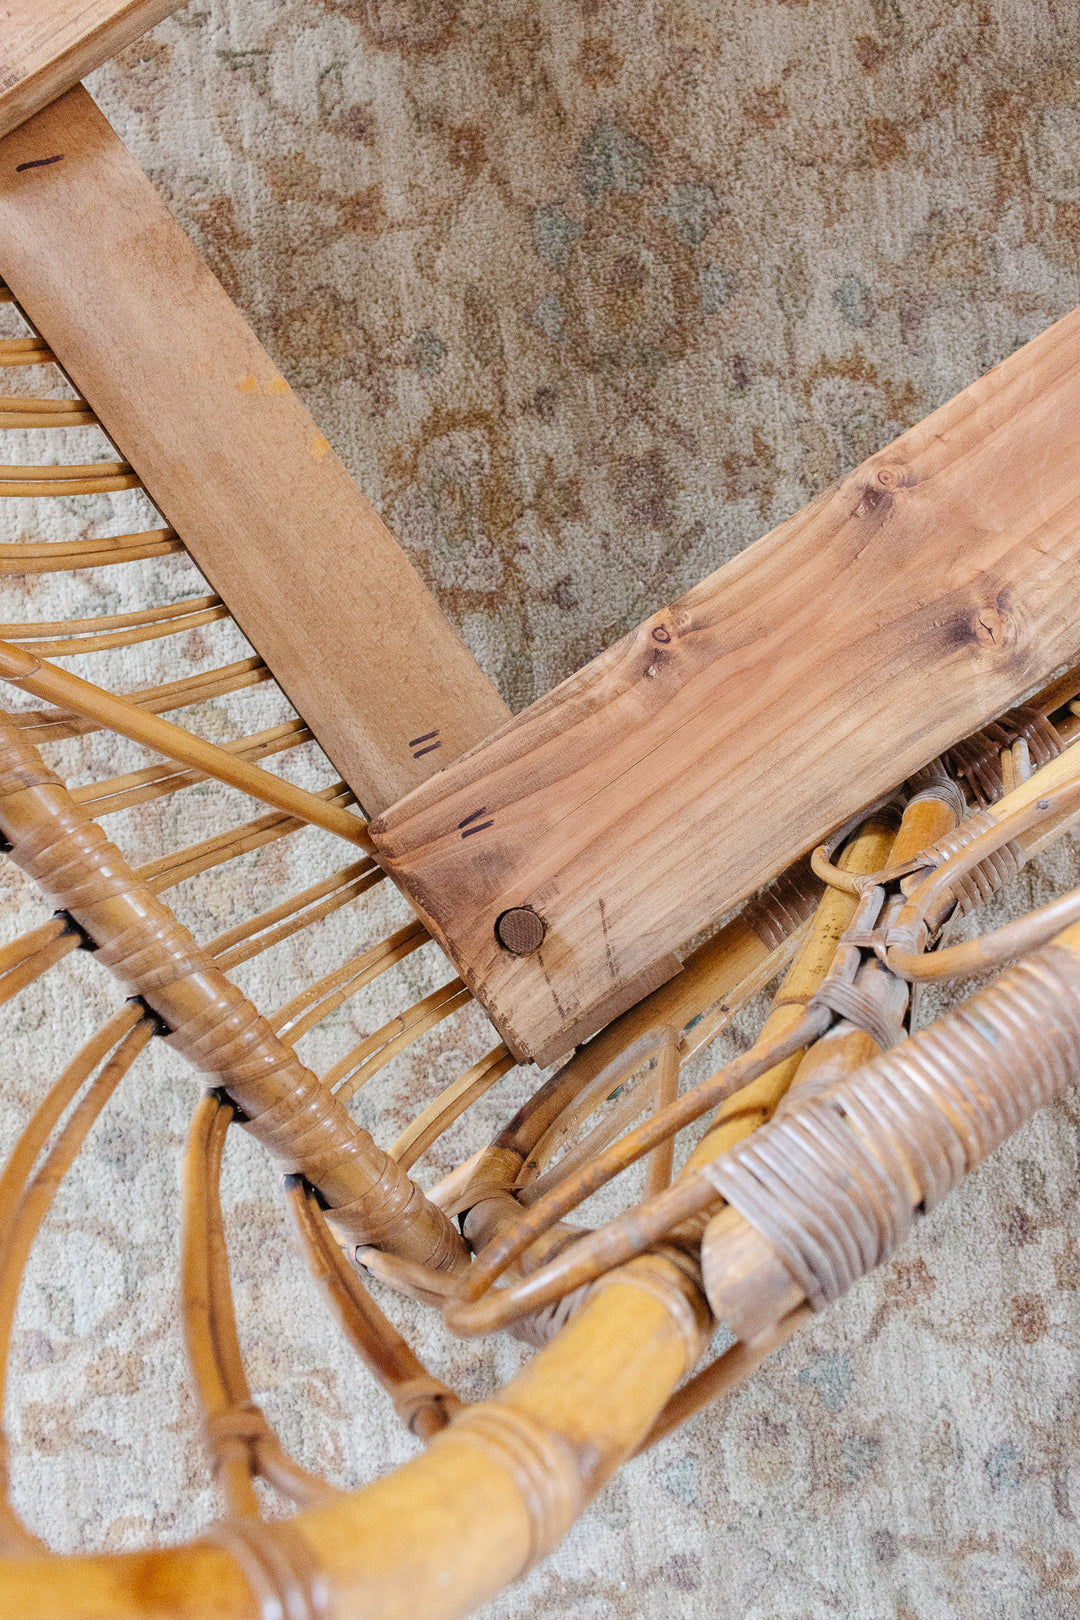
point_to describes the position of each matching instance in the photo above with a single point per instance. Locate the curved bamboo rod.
(492, 1494)
(54, 556)
(65, 637)
(424, 1404)
(242, 1442)
(25, 1199)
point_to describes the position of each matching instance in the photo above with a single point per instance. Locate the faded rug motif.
(587, 295)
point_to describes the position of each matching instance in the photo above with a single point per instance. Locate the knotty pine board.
(231, 458)
(919, 597)
(46, 46)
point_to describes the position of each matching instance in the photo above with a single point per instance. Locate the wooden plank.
(46, 46)
(919, 597)
(232, 459)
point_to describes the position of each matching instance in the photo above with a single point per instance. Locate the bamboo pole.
(69, 691)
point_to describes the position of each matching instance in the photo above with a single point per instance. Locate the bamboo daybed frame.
(827, 1137)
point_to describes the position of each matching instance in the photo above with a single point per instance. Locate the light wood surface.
(232, 460)
(46, 46)
(923, 594)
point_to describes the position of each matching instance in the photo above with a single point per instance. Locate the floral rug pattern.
(587, 295)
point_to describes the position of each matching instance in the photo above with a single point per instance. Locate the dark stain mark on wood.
(39, 163)
(873, 500)
(612, 969)
(475, 816)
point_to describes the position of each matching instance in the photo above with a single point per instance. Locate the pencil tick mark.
(480, 827)
(475, 816)
(39, 163)
(426, 744)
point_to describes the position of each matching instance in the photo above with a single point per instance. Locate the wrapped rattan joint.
(830, 1189)
(212, 1023)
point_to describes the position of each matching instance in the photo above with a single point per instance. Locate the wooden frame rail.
(232, 459)
(46, 46)
(924, 594)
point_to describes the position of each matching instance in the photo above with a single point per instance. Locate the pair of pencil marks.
(427, 744)
(473, 824)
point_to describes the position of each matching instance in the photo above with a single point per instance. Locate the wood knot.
(993, 628)
(520, 931)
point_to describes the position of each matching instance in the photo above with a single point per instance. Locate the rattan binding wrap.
(823, 1140)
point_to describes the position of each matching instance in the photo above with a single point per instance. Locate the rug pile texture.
(587, 295)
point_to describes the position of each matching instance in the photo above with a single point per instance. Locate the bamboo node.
(279, 1567)
(539, 1461)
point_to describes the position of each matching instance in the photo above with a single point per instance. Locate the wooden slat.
(46, 46)
(919, 597)
(232, 460)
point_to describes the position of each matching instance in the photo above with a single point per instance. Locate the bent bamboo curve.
(444, 1532)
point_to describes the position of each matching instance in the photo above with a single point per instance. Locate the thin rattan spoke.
(449, 1105)
(63, 638)
(365, 1060)
(291, 916)
(36, 964)
(168, 870)
(45, 413)
(53, 724)
(91, 478)
(57, 556)
(156, 781)
(25, 352)
(313, 1004)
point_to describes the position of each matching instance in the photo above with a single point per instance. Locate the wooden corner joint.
(926, 593)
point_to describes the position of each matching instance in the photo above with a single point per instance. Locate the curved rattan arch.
(824, 1141)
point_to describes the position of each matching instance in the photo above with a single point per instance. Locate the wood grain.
(232, 460)
(46, 46)
(922, 595)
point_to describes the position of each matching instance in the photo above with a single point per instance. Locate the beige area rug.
(587, 295)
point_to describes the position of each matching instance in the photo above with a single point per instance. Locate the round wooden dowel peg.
(520, 930)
